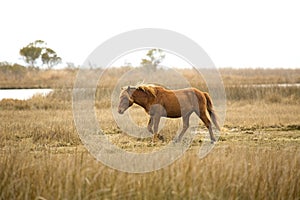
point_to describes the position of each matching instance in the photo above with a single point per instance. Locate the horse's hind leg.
(186, 121)
(207, 123)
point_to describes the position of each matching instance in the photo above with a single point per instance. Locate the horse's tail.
(211, 110)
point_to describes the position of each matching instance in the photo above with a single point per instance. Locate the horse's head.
(125, 100)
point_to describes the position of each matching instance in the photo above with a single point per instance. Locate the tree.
(154, 58)
(37, 50)
(32, 52)
(50, 58)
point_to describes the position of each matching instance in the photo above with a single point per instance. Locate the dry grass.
(257, 155)
(34, 129)
(261, 114)
(231, 171)
(30, 78)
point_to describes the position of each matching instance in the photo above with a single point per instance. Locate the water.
(273, 85)
(22, 94)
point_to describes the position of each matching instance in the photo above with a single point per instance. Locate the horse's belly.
(173, 114)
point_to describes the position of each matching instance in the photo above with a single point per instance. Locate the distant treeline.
(19, 76)
(6, 67)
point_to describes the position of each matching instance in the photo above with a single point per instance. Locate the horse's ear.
(125, 88)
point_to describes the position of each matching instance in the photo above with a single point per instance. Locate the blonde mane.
(147, 88)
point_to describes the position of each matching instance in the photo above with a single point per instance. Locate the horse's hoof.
(155, 138)
(161, 137)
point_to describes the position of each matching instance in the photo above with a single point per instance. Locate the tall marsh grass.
(269, 94)
(229, 172)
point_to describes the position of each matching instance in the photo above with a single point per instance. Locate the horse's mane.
(148, 88)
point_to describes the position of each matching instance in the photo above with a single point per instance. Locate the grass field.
(257, 155)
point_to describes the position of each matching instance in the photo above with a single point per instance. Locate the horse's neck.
(142, 100)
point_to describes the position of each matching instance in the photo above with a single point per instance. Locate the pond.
(22, 94)
(274, 85)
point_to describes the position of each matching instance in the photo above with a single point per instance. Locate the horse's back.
(179, 102)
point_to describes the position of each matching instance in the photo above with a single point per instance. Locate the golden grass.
(229, 172)
(42, 158)
(257, 155)
(261, 115)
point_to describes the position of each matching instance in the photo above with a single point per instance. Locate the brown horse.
(160, 102)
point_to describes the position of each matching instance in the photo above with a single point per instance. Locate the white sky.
(233, 33)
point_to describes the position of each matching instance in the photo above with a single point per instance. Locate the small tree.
(154, 58)
(50, 58)
(32, 52)
(37, 50)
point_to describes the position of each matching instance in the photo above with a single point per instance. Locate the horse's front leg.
(156, 136)
(150, 124)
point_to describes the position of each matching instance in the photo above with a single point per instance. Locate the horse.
(161, 102)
